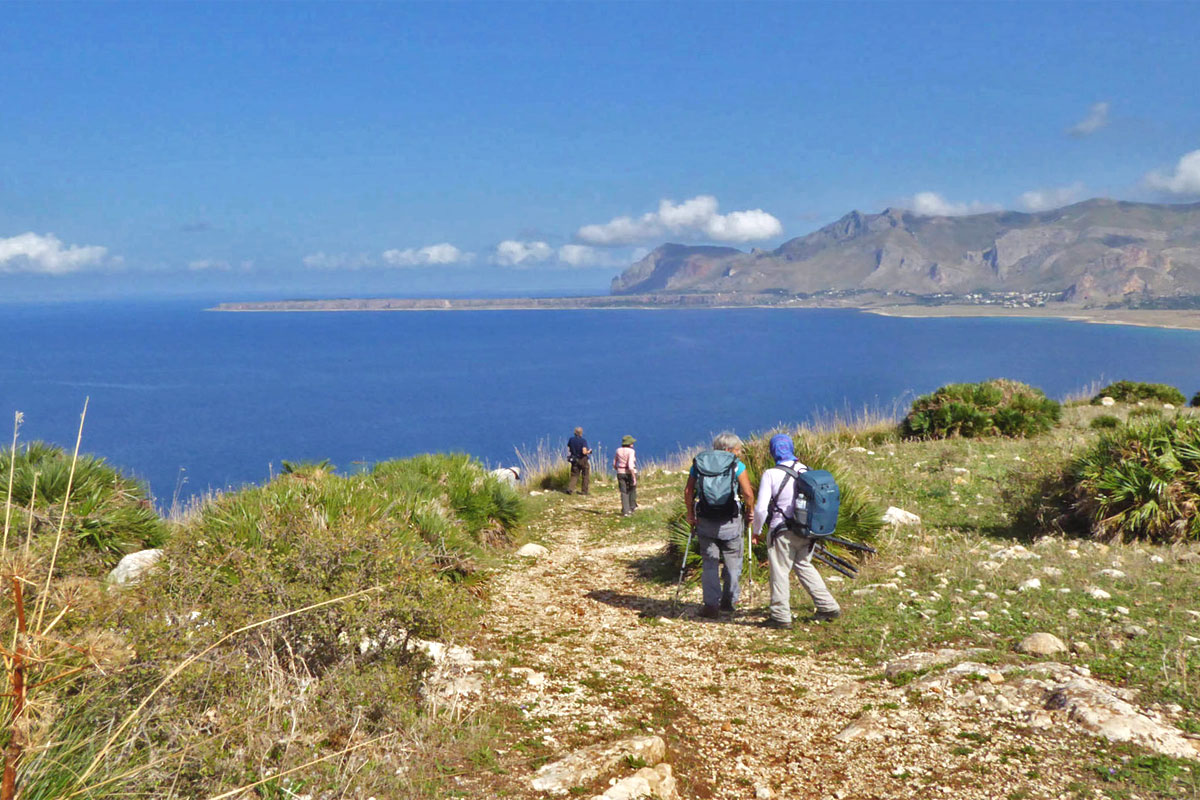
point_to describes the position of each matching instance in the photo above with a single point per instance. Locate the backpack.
(716, 484)
(815, 503)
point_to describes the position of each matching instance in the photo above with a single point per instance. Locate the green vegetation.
(1195, 400)
(1105, 422)
(275, 633)
(1134, 391)
(1141, 481)
(997, 407)
(108, 514)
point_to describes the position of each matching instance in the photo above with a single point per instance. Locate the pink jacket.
(625, 460)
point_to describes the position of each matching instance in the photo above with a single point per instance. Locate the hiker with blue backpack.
(798, 507)
(716, 481)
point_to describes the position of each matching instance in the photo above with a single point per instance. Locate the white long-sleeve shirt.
(778, 484)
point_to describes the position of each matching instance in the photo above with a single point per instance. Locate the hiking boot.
(776, 624)
(727, 606)
(709, 612)
(826, 616)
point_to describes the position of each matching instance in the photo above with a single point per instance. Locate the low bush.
(1133, 391)
(109, 514)
(997, 407)
(1141, 481)
(1105, 422)
(1195, 400)
(1144, 411)
(302, 595)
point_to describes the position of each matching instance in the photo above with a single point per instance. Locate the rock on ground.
(898, 516)
(586, 765)
(133, 566)
(1094, 707)
(1042, 644)
(532, 550)
(646, 782)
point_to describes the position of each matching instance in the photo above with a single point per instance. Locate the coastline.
(1171, 319)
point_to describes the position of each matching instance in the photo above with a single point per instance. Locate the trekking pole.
(682, 567)
(749, 566)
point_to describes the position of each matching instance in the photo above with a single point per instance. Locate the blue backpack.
(821, 498)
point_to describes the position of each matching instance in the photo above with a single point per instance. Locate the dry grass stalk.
(62, 522)
(133, 715)
(12, 471)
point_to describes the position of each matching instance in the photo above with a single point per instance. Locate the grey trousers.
(720, 544)
(582, 467)
(628, 487)
(787, 553)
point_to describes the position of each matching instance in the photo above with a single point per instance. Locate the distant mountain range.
(1095, 252)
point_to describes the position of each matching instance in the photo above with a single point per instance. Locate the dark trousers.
(627, 485)
(580, 470)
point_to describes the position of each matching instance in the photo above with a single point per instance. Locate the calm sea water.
(190, 400)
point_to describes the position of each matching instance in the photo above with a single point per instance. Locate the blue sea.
(191, 400)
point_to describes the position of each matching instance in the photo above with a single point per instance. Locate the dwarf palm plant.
(1142, 481)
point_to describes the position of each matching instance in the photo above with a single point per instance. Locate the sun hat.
(627, 441)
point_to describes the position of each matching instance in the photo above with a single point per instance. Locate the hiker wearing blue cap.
(788, 550)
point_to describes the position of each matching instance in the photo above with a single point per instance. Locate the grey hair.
(727, 441)
(579, 431)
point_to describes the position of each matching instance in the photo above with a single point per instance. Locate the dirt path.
(746, 712)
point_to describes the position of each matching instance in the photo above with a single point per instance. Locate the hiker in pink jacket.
(625, 465)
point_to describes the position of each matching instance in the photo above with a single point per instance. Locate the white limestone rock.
(898, 517)
(1096, 708)
(1107, 401)
(586, 765)
(532, 550)
(1041, 644)
(132, 567)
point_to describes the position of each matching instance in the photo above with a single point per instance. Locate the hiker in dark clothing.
(578, 453)
(718, 528)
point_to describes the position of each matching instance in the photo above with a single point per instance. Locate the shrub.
(1141, 481)
(1145, 411)
(393, 553)
(108, 515)
(992, 408)
(1133, 391)
(1195, 400)
(1105, 422)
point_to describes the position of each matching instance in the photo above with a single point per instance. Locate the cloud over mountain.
(1097, 118)
(1054, 197)
(31, 252)
(932, 204)
(696, 219)
(1184, 180)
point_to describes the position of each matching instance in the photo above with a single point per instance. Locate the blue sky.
(288, 149)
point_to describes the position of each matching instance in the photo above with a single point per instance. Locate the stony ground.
(591, 648)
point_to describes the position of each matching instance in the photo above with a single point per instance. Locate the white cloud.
(932, 204)
(1184, 180)
(31, 252)
(581, 255)
(433, 255)
(696, 218)
(511, 253)
(338, 261)
(202, 264)
(219, 265)
(1097, 118)
(1054, 197)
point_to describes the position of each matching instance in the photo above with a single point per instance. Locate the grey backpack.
(716, 484)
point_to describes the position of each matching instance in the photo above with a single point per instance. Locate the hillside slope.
(1093, 251)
